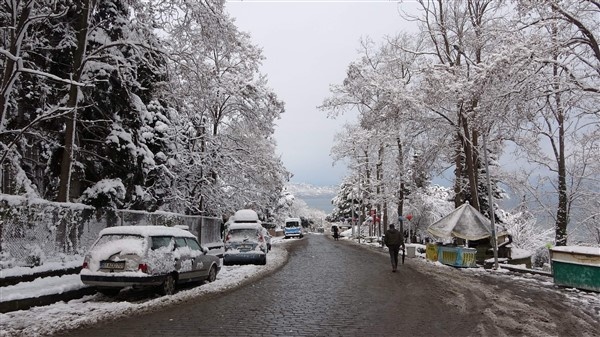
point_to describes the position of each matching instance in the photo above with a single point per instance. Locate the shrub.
(541, 257)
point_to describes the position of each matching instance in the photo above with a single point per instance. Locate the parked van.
(293, 228)
(245, 240)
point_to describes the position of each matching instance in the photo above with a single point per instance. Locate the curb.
(526, 271)
(12, 280)
(27, 303)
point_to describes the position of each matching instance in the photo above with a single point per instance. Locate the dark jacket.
(393, 237)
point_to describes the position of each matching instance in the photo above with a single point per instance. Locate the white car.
(245, 240)
(146, 256)
(245, 243)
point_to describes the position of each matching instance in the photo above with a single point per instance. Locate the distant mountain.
(308, 190)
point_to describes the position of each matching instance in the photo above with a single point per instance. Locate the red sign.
(409, 217)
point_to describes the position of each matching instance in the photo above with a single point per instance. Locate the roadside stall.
(576, 266)
(470, 233)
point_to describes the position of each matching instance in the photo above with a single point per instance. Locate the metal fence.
(34, 231)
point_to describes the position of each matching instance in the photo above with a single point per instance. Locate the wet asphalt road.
(328, 288)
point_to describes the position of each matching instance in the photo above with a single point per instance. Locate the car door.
(201, 261)
(185, 262)
(162, 252)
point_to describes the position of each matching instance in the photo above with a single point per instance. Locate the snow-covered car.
(245, 240)
(146, 256)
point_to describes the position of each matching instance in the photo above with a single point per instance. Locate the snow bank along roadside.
(39, 321)
(41, 287)
(49, 266)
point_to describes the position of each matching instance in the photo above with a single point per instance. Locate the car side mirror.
(205, 250)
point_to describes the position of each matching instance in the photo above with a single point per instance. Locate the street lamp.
(487, 177)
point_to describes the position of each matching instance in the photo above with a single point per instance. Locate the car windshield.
(292, 224)
(242, 233)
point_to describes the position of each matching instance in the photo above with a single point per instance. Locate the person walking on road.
(336, 233)
(393, 239)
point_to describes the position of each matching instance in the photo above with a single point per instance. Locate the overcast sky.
(308, 45)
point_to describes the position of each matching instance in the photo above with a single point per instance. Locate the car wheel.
(110, 292)
(168, 286)
(212, 274)
(263, 261)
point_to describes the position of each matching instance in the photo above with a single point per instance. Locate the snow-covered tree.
(164, 97)
(559, 115)
(224, 155)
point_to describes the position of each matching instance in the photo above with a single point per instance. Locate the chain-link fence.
(34, 231)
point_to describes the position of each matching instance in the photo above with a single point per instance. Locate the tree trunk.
(81, 31)
(469, 158)
(400, 162)
(379, 191)
(384, 218)
(364, 207)
(459, 195)
(562, 213)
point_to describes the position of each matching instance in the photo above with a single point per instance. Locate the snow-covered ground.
(49, 265)
(588, 301)
(41, 287)
(90, 309)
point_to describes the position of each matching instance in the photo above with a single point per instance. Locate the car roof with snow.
(245, 215)
(242, 225)
(147, 231)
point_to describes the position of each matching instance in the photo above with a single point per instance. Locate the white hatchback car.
(245, 242)
(139, 256)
